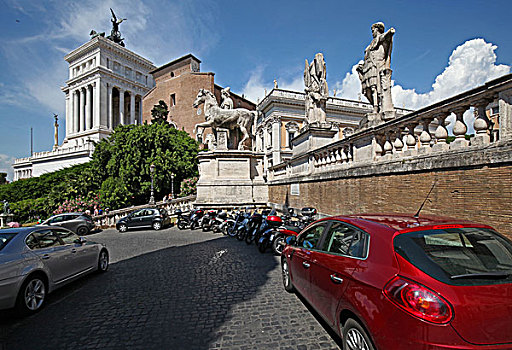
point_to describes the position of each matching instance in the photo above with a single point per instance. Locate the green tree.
(159, 112)
(121, 163)
(3, 178)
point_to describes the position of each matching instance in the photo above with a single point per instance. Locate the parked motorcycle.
(208, 220)
(232, 226)
(195, 219)
(267, 237)
(243, 227)
(253, 227)
(219, 222)
(292, 228)
(183, 220)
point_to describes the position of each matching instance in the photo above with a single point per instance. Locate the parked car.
(35, 261)
(80, 223)
(401, 282)
(147, 217)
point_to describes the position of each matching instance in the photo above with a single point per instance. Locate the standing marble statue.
(56, 131)
(227, 101)
(316, 89)
(375, 72)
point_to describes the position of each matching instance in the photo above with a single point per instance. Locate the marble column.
(132, 108)
(276, 141)
(82, 110)
(140, 110)
(97, 103)
(76, 111)
(121, 106)
(68, 116)
(110, 107)
(88, 105)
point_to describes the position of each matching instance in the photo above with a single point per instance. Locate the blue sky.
(247, 44)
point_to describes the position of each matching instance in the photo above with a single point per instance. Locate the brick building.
(177, 83)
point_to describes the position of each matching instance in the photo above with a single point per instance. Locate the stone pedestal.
(222, 139)
(314, 136)
(370, 120)
(231, 179)
(5, 218)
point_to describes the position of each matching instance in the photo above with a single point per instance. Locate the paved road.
(173, 289)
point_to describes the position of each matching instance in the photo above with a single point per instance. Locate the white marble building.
(282, 117)
(105, 88)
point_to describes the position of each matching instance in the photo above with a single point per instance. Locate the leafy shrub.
(189, 186)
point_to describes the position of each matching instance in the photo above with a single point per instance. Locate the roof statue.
(115, 34)
(316, 89)
(375, 72)
(226, 119)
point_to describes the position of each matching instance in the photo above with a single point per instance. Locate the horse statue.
(217, 117)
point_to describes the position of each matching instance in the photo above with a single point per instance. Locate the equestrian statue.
(217, 117)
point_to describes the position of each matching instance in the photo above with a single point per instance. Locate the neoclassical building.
(105, 88)
(282, 116)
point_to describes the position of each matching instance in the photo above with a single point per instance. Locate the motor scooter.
(267, 237)
(232, 226)
(197, 215)
(183, 221)
(253, 227)
(286, 230)
(219, 221)
(243, 227)
(208, 220)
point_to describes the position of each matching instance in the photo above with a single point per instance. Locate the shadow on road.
(175, 298)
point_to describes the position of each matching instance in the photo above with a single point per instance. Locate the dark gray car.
(79, 223)
(34, 261)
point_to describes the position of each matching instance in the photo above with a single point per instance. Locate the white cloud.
(471, 64)
(5, 166)
(255, 87)
(37, 60)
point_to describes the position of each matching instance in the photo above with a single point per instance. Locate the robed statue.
(316, 89)
(375, 72)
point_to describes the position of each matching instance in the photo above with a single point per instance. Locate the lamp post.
(172, 186)
(152, 171)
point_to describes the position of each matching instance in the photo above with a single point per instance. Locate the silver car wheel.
(157, 225)
(34, 294)
(356, 341)
(286, 274)
(103, 261)
(123, 228)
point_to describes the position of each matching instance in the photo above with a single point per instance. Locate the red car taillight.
(418, 300)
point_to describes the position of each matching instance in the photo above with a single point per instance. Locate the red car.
(400, 282)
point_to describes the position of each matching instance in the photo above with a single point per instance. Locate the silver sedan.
(34, 261)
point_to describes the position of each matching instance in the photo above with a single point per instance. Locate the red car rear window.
(459, 256)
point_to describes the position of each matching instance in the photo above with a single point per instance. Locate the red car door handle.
(336, 279)
(306, 265)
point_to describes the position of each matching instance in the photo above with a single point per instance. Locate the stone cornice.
(118, 50)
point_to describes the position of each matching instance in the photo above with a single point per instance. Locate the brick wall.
(185, 87)
(482, 194)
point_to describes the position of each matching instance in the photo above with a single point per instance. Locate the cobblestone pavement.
(173, 289)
